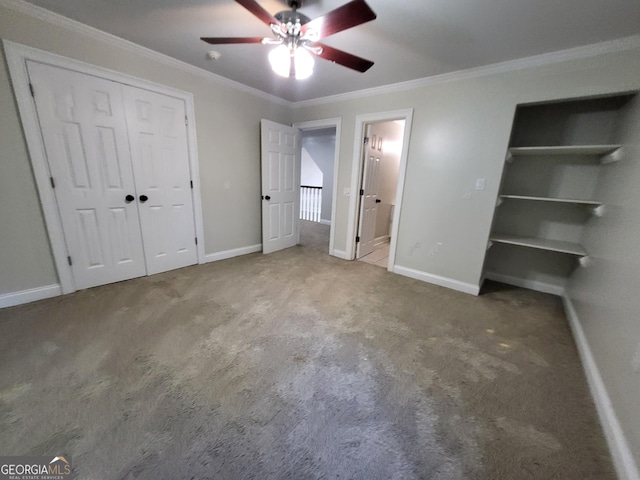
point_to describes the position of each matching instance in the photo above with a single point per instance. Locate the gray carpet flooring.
(298, 365)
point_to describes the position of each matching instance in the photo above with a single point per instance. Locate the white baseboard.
(621, 453)
(525, 283)
(437, 280)
(325, 222)
(382, 239)
(31, 295)
(340, 254)
(236, 252)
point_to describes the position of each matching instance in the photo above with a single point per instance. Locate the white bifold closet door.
(119, 163)
(160, 157)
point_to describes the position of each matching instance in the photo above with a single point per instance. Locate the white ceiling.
(409, 40)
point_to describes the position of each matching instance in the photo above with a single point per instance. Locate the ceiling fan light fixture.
(304, 63)
(280, 59)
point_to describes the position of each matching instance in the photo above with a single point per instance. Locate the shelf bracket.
(612, 157)
(597, 211)
(585, 261)
(489, 244)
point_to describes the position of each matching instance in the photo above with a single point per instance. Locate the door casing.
(356, 176)
(17, 56)
(335, 122)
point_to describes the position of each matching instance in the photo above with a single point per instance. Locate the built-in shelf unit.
(549, 189)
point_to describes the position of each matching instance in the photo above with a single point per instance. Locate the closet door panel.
(85, 137)
(160, 157)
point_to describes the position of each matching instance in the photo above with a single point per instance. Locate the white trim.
(235, 252)
(356, 176)
(17, 57)
(315, 125)
(524, 283)
(325, 222)
(341, 254)
(586, 51)
(80, 28)
(31, 128)
(382, 239)
(622, 456)
(194, 167)
(437, 280)
(30, 295)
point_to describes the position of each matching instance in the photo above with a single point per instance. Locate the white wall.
(606, 295)
(310, 173)
(228, 126)
(320, 146)
(460, 133)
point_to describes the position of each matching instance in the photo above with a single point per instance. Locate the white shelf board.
(540, 243)
(552, 199)
(565, 150)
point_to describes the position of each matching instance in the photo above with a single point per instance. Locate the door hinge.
(196, 240)
(53, 183)
(366, 140)
(357, 239)
(69, 260)
(33, 92)
(191, 183)
(361, 192)
(186, 120)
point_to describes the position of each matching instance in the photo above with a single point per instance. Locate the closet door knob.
(143, 198)
(267, 197)
(129, 198)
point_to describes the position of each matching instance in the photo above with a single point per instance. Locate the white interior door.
(85, 138)
(368, 204)
(160, 155)
(280, 161)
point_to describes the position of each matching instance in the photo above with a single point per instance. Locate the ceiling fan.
(297, 36)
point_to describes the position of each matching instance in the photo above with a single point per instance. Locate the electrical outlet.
(635, 360)
(466, 195)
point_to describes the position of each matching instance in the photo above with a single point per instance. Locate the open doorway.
(378, 182)
(382, 151)
(318, 173)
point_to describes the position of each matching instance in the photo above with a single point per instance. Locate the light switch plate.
(480, 183)
(635, 360)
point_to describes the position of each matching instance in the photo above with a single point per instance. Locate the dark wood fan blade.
(223, 40)
(259, 12)
(349, 15)
(343, 58)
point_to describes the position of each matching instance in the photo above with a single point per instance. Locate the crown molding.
(592, 50)
(58, 20)
(586, 51)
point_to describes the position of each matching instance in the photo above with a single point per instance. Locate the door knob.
(267, 197)
(143, 198)
(129, 198)
(378, 200)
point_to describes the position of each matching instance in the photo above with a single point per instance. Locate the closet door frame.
(17, 56)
